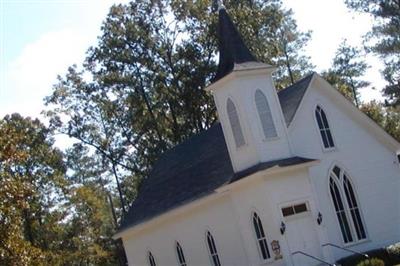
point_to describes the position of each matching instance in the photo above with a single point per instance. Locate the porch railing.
(346, 249)
(315, 258)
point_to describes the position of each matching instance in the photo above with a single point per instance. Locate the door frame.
(311, 208)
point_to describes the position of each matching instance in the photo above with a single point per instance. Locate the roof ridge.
(299, 81)
(291, 97)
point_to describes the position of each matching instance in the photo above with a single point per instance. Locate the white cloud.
(331, 22)
(31, 75)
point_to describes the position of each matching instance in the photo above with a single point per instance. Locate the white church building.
(295, 177)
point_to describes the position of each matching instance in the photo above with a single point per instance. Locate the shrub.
(394, 250)
(389, 255)
(371, 262)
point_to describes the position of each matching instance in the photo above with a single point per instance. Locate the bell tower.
(247, 103)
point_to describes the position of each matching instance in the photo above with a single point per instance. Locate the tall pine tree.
(347, 71)
(384, 40)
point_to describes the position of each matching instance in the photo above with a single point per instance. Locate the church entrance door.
(301, 234)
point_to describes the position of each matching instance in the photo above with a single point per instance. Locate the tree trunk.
(114, 215)
(121, 198)
(28, 226)
(288, 65)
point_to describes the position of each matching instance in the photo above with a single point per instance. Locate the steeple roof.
(232, 49)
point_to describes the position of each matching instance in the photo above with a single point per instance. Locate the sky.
(40, 39)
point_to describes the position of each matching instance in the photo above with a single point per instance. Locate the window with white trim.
(294, 209)
(152, 261)
(346, 207)
(212, 249)
(235, 123)
(261, 238)
(324, 129)
(180, 255)
(265, 115)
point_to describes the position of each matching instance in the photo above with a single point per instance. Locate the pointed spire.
(232, 49)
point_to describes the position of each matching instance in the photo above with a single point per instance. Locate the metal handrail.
(315, 258)
(346, 249)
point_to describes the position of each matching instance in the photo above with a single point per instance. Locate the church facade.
(293, 177)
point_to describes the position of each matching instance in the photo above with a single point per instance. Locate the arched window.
(264, 112)
(235, 123)
(324, 128)
(181, 256)
(347, 211)
(212, 249)
(152, 261)
(261, 239)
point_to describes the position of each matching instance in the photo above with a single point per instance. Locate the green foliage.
(92, 220)
(384, 40)
(391, 73)
(372, 262)
(378, 256)
(394, 250)
(31, 189)
(87, 233)
(347, 70)
(290, 43)
(45, 217)
(387, 117)
(337, 82)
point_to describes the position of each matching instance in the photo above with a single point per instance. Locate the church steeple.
(247, 103)
(232, 49)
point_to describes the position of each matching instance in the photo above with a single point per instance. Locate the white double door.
(302, 236)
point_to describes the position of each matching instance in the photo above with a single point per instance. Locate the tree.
(384, 40)
(387, 118)
(31, 189)
(87, 233)
(391, 73)
(49, 215)
(290, 44)
(336, 81)
(146, 75)
(346, 72)
(93, 219)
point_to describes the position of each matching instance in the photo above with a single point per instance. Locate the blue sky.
(40, 39)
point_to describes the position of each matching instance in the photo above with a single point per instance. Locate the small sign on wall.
(276, 248)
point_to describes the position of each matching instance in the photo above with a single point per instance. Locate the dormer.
(247, 103)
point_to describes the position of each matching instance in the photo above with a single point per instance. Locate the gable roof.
(291, 97)
(200, 165)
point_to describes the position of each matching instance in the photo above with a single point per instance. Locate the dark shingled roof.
(232, 49)
(187, 172)
(291, 97)
(200, 165)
